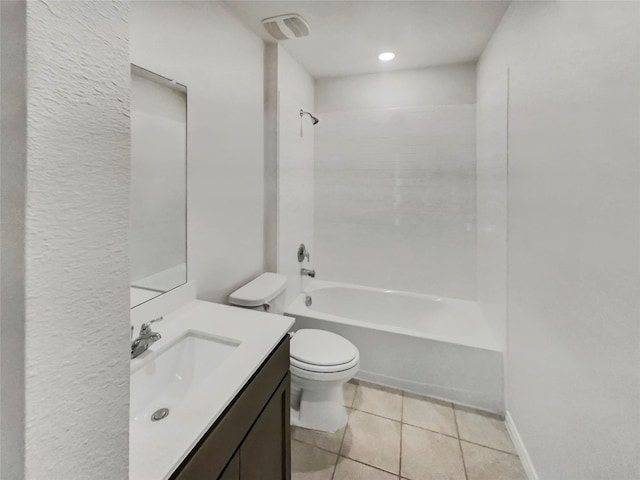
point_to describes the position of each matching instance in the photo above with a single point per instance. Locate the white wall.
(203, 46)
(573, 388)
(395, 180)
(270, 157)
(491, 197)
(445, 85)
(295, 169)
(76, 296)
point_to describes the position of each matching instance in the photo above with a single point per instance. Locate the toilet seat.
(324, 368)
(321, 352)
(329, 376)
(320, 347)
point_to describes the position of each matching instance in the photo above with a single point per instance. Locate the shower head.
(315, 120)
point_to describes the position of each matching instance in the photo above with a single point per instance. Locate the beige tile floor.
(395, 435)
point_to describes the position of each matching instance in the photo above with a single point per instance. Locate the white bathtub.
(435, 346)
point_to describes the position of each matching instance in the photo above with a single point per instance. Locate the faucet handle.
(303, 253)
(146, 326)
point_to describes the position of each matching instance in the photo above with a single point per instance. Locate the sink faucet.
(310, 273)
(145, 339)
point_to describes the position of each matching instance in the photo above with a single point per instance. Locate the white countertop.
(156, 449)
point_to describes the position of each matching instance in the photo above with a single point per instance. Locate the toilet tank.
(265, 293)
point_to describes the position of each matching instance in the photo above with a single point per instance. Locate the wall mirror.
(158, 228)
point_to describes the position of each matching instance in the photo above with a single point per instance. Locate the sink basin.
(168, 377)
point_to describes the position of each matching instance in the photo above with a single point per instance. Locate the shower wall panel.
(395, 199)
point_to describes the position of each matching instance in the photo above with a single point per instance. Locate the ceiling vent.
(283, 27)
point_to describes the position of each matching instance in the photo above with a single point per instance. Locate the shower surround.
(395, 203)
(395, 232)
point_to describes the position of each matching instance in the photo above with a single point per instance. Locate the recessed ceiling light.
(386, 56)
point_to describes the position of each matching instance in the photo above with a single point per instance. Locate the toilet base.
(319, 405)
(323, 416)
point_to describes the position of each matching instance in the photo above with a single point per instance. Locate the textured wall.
(77, 268)
(573, 232)
(202, 45)
(395, 181)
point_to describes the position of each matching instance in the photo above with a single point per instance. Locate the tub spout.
(310, 273)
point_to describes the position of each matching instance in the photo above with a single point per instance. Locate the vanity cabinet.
(251, 439)
(232, 472)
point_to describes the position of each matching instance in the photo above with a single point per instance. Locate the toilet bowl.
(321, 362)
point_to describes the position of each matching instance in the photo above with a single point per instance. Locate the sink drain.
(160, 414)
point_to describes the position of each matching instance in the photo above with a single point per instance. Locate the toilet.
(321, 362)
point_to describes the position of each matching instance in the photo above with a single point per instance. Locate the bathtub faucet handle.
(303, 253)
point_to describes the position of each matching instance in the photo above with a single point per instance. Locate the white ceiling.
(347, 36)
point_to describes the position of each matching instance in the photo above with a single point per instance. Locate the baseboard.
(520, 448)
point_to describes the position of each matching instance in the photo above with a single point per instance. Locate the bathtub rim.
(298, 308)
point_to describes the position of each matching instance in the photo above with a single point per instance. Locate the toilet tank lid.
(259, 291)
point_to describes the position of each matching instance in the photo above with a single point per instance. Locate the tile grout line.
(377, 414)
(477, 443)
(344, 434)
(453, 436)
(382, 469)
(324, 449)
(490, 448)
(402, 394)
(429, 430)
(464, 464)
(418, 426)
(368, 465)
(427, 398)
(335, 467)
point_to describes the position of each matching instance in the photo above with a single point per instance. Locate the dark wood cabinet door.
(232, 470)
(265, 453)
